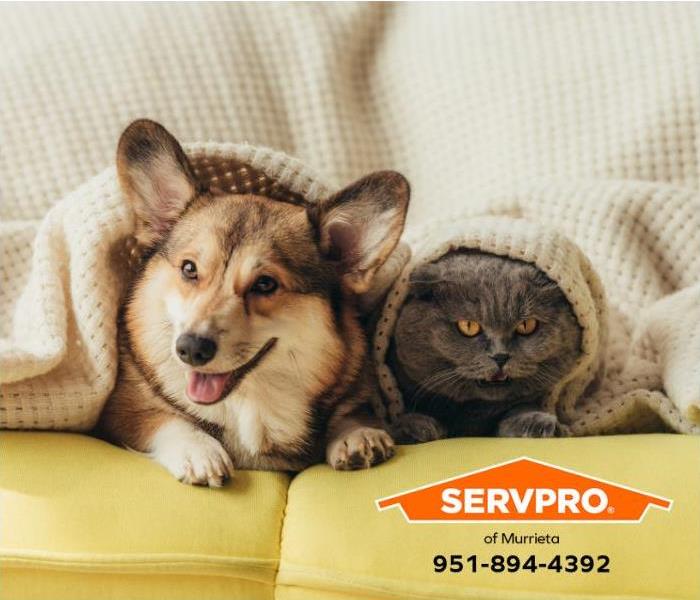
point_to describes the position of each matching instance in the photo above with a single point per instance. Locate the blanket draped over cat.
(640, 364)
(59, 362)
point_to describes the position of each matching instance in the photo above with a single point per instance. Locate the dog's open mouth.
(497, 379)
(209, 388)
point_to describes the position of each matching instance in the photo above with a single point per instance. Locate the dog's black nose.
(500, 359)
(195, 350)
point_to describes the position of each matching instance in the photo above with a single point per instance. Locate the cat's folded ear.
(156, 178)
(360, 226)
(423, 280)
(548, 291)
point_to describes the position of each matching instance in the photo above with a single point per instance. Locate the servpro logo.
(524, 490)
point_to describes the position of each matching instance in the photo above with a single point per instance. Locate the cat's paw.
(531, 424)
(191, 455)
(416, 428)
(360, 448)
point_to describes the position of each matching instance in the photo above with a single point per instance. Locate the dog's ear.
(361, 225)
(156, 178)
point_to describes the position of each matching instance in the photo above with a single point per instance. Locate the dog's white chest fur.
(269, 417)
(249, 424)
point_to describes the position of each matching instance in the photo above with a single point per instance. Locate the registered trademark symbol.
(611, 509)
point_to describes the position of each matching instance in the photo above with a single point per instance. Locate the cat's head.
(477, 326)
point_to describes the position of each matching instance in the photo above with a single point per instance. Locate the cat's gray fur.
(444, 375)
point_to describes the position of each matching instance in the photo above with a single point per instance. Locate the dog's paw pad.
(361, 448)
(194, 457)
(208, 464)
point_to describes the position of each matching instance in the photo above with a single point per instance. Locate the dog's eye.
(188, 269)
(264, 285)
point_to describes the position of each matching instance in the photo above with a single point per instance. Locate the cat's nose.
(500, 359)
(195, 350)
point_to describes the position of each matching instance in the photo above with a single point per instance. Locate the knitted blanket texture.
(640, 346)
(581, 118)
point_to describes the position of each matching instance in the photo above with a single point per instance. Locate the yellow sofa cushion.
(337, 545)
(81, 519)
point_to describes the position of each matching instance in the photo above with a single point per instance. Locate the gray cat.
(480, 342)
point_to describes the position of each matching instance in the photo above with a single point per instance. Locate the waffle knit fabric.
(604, 392)
(590, 101)
(61, 362)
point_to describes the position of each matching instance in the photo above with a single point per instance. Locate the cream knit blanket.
(60, 362)
(604, 97)
(641, 345)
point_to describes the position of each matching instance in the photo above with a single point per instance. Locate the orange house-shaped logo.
(527, 491)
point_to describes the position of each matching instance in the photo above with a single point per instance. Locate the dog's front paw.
(416, 428)
(360, 448)
(191, 455)
(532, 424)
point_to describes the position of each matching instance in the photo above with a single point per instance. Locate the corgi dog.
(240, 342)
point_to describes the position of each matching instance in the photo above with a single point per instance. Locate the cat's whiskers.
(546, 376)
(450, 388)
(499, 295)
(425, 386)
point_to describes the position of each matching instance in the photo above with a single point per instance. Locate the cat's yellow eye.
(468, 328)
(526, 327)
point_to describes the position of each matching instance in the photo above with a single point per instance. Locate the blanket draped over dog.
(640, 364)
(589, 111)
(60, 362)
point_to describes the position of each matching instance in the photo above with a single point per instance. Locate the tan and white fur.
(240, 345)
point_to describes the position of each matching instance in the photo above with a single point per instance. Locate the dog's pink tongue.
(205, 388)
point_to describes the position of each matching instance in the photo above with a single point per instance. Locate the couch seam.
(126, 563)
(283, 520)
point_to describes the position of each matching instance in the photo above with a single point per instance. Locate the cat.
(479, 344)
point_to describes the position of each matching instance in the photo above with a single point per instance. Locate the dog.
(240, 342)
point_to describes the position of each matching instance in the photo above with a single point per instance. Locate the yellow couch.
(81, 519)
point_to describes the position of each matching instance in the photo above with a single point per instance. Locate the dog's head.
(242, 284)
